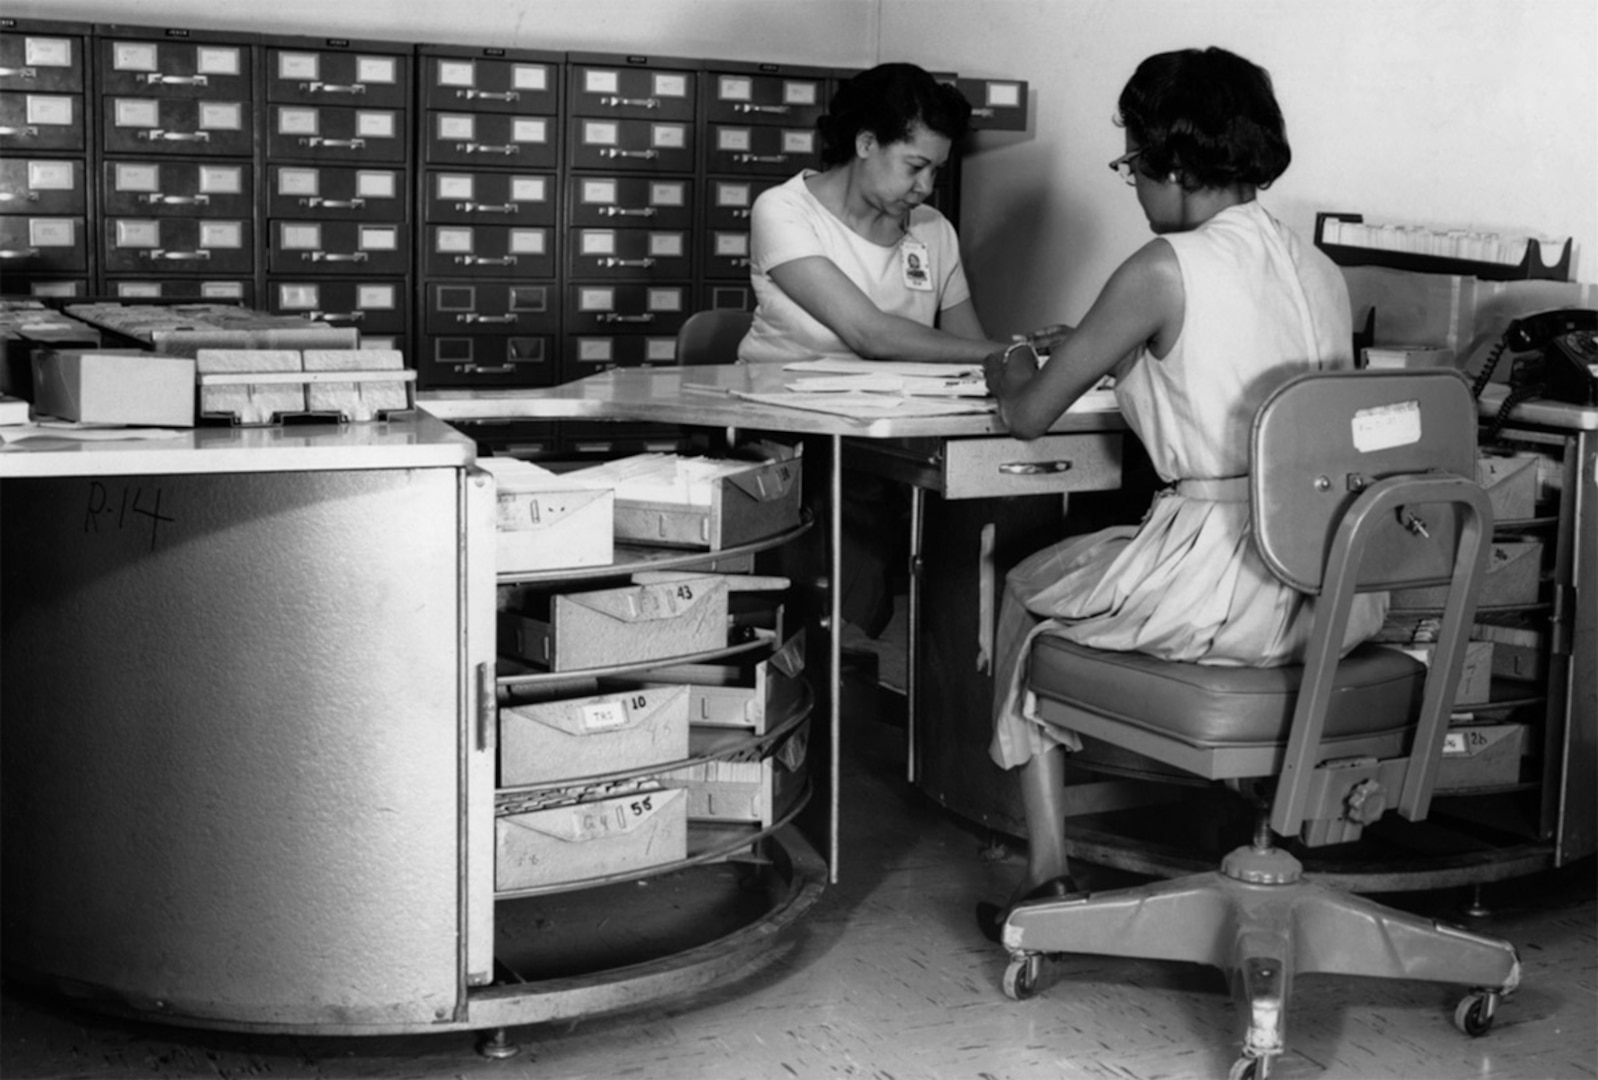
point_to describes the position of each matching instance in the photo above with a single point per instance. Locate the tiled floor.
(887, 978)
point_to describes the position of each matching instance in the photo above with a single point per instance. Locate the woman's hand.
(1048, 338)
(1008, 371)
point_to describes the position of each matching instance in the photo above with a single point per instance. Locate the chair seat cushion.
(1376, 690)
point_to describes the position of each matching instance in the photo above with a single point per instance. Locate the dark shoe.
(992, 917)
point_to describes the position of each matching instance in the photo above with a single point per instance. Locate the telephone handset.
(1560, 352)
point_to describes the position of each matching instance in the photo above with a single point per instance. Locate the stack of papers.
(659, 478)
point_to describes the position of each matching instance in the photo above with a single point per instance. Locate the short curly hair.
(887, 101)
(1208, 116)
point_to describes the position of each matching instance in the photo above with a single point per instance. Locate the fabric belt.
(1222, 489)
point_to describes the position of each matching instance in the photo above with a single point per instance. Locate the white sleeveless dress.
(1188, 583)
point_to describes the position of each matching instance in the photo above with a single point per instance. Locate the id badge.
(913, 261)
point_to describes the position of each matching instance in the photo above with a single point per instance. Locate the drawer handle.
(622, 102)
(178, 200)
(647, 155)
(490, 95)
(334, 256)
(18, 131)
(21, 73)
(487, 148)
(613, 261)
(18, 253)
(745, 107)
(11, 196)
(768, 159)
(613, 317)
(484, 260)
(161, 253)
(473, 317)
(156, 134)
(333, 88)
(486, 208)
(335, 316)
(1034, 468)
(334, 204)
(348, 144)
(155, 78)
(622, 211)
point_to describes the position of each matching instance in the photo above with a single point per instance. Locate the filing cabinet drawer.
(763, 93)
(54, 288)
(309, 71)
(492, 250)
(221, 290)
(143, 187)
(729, 202)
(488, 360)
(375, 308)
(356, 247)
(178, 63)
(631, 307)
(510, 139)
(521, 82)
(335, 133)
(179, 245)
(647, 254)
(658, 202)
(1001, 466)
(996, 104)
(38, 58)
(35, 121)
(636, 145)
(501, 307)
(589, 354)
(42, 186)
(52, 245)
(502, 198)
(632, 86)
(148, 124)
(726, 253)
(759, 150)
(336, 192)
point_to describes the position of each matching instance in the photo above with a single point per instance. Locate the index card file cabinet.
(45, 244)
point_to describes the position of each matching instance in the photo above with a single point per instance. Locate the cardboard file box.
(1475, 678)
(1480, 755)
(114, 386)
(759, 792)
(1511, 484)
(738, 697)
(1519, 652)
(636, 623)
(577, 841)
(671, 501)
(1514, 572)
(582, 737)
(543, 521)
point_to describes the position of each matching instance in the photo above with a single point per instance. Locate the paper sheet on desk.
(884, 367)
(887, 382)
(12, 434)
(869, 406)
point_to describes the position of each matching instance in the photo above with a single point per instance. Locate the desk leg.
(834, 636)
(918, 509)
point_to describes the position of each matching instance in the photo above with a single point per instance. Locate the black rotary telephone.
(1556, 357)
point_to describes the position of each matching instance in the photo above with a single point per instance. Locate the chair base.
(1262, 933)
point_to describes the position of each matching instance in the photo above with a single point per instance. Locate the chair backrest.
(1362, 481)
(712, 337)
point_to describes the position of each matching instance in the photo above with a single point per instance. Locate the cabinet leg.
(497, 1046)
(1477, 908)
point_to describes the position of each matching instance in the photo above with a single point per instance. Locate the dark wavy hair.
(887, 101)
(1207, 115)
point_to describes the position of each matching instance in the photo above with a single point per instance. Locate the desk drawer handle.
(1034, 468)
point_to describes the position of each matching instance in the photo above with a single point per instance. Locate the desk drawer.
(1000, 466)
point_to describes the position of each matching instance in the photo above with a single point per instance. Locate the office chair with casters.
(1360, 481)
(712, 337)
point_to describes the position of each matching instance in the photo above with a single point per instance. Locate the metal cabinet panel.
(475, 250)
(43, 186)
(604, 307)
(501, 307)
(523, 82)
(309, 71)
(39, 244)
(632, 86)
(484, 195)
(338, 247)
(147, 124)
(462, 138)
(183, 245)
(643, 254)
(143, 186)
(665, 202)
(336, 192)
(31, 120)
(602, 143)
(175, 63)
(760, 149)
(42, 57)
(351, 133)
(374, 307)
(488, 360)
(767, 93)
(589, 354)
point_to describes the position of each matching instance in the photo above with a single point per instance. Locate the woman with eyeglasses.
(1197, 326)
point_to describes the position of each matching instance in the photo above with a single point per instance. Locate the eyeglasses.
(1122, 166)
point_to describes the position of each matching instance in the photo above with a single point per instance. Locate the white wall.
(1459, 113)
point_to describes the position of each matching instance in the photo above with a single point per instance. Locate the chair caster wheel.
(1474, 1014)
(1023, 976)
(1249, 1068)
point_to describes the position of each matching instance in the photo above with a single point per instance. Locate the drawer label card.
(668, 193)
(728, 194)
(666, 245)
(299, 181)
(457, 126)
(735, 88)
(1004, 95)
(534, 77)
(298, 121)
(732, 139)
(51, 176)
(370, 124)
(54, 110)
(137, 177)
(798, 142)
(528, 298)
(664, 299)
(299, 297)
(457, 73)
(139, 290)
(376, 298)
(600, 133)
(300, 237)
(222, 290)
(222, 179)
(221, 116)
(605, 715)
(216, 60)
(596, 299)
(529, 129)
(455, 186)
(453, 241)
(600, 81)
(671, 84)
(591, 350)
(376, 183)
(528, 241)
(138, 234)
(598, 192)
(52, 232)
(47, 52)
(298, 65)
(597, 242)
(133, 56)
(377, 69)
(668, 136)
(658, 350)
(221, 234)
(1386, 426)
(799, 93)
(379, 238)
(732, 244)
(529, 189)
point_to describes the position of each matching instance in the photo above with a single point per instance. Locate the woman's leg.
(1043, 801)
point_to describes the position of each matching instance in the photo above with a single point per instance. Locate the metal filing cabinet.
(629, 246)
(338, 181)
(46, 248)
(759, 130)
(177, 116)
(489, 203)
